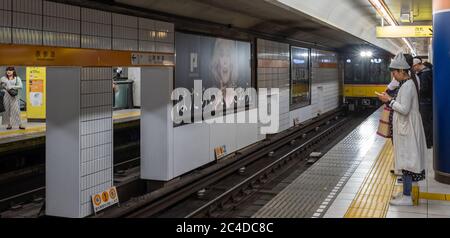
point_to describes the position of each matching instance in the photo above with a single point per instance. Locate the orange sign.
(36, 86)
(97, 200)
(27, 55)
(220, 151)
(105, 199)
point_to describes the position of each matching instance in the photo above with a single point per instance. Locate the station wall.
(325, 86)
(273, 72)
(38, 22)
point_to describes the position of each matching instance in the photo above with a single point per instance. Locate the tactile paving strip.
(316, 188)
(372, 200)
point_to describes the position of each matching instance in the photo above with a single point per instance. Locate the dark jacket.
(426, 86)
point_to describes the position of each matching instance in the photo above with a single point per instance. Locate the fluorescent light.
(363, 54)
(380, 6)
(383, 11)
(369, 53)
(413, 52)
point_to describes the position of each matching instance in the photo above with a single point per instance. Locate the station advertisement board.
(36, 93)
(217, 62)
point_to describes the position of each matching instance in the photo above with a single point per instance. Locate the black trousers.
(426, 111)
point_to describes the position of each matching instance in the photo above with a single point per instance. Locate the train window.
(358, 70)
(300, 77)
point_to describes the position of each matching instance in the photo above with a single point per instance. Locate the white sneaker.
(402, 201)
(398, 173)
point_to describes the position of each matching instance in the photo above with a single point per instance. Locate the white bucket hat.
(399, 62)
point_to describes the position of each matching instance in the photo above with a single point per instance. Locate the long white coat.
(409, 136)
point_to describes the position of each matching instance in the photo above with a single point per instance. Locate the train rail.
(278, 150)
(23, 179)
(254, 166)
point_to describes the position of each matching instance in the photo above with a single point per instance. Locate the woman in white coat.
(408, 133)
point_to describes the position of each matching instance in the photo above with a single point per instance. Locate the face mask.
(393, 85)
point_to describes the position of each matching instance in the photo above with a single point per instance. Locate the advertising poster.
(217, 62)
(36, 77)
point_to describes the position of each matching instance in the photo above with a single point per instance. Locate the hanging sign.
(404, 31)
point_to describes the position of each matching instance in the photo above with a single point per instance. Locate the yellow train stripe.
(372, 199)
(363, 90)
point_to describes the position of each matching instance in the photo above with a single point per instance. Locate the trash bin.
(124, 95)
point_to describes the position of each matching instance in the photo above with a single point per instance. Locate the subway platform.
(353, 180)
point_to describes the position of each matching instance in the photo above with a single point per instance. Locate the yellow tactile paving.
(42, 128)
(121, 115)
(372, 200)
(29, 130)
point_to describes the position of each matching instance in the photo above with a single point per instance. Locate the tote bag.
(384, 126)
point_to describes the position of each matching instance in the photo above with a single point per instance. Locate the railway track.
(245, 197)
(226, 183)
(22, 180)
(265, 158)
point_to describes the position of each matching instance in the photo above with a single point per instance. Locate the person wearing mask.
(408, 133)
(10, 84)
(392, 90)
(425, 75)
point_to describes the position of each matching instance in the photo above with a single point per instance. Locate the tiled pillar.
(273, 73)
(79, 141)
(441, 51)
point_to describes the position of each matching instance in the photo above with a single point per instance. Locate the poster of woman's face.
(218, 63)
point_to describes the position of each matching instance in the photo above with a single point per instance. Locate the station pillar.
(441, 55)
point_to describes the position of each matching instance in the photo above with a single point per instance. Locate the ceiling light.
(366, 54)
(383, 11)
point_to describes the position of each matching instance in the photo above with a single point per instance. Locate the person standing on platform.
(392, 90)
(408, 133)
(425, 75)
(10, 84)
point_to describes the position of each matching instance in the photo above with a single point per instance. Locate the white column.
(156, 124)
(79, 141)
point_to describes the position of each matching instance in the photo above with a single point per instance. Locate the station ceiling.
(422, 10)
(255, 15)
(419, 12)
(262, 16)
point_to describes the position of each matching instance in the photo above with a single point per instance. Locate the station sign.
(46, 56)
(105, 199)
(405, 31)
(152, 59)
